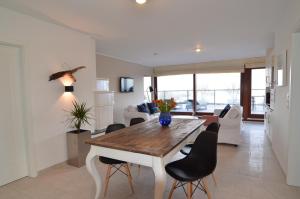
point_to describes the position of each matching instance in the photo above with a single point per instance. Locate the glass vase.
(165, 118)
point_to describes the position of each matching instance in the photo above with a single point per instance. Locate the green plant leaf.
(79, 115)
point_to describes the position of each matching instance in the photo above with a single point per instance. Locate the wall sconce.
(69, 88)
(67, 78)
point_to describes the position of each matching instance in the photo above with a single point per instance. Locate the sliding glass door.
(180, 87)
(213, 91)
(204, 92)
(216, 90)
(258, 91)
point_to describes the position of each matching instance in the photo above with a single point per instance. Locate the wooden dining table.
(148, 144)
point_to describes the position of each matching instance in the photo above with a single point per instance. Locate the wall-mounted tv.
(126, 84)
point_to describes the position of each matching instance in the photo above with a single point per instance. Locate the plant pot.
(165, 119)
(77, 148)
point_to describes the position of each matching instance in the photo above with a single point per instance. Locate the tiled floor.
(248, 171)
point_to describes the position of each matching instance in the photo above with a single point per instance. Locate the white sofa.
(231, 124)
(132, 112)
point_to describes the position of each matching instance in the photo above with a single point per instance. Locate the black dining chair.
(116, 164)
(135, 121)
(196, 166)
(214, 127)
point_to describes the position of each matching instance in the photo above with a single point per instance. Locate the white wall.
(113, 69)
(46, 47)
(293, 177)
(281, 116)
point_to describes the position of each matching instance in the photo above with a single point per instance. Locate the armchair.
(230, 126)
(132, 112)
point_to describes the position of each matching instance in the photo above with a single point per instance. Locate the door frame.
(246, 92)
(26, 110)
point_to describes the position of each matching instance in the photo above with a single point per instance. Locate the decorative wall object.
(66, 72)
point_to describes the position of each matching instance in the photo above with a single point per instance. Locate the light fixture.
(141, 1)
(150, 88)
(69, 89)
(198, 50)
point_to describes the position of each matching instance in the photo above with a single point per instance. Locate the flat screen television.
(126, 84)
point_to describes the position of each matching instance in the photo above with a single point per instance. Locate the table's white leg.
(160, 177)
(90, 161)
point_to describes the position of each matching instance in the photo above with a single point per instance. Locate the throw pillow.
(142, 108)
(224, 111)
(152, 108)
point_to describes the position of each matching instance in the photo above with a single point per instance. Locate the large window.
(258, 91)
(147, 93)
(216, 90)
(180, 87)
(205, 92)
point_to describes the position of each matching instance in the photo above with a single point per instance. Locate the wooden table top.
(149, 137)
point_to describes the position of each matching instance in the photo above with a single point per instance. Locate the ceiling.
(166, 32)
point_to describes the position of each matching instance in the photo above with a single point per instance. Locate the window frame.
(245, 97)
(247, 94)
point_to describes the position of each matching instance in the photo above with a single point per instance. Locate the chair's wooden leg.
(107, 179)
(172, 189)
(214, 178)
(129, 176)
(206, 188)
(190, 190)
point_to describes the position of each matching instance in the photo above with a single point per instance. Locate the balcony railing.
(258, 99)
(208, 100)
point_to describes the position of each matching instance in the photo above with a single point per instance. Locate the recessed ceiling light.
(140, 1)
(198, 50)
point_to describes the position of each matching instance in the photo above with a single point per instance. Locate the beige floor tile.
(249, 171)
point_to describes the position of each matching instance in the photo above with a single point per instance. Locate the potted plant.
(79, 115)
(165, 106)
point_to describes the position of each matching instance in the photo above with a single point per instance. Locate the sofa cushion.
(142, 108)
(224, 111)
(152, 108)
(131, 108)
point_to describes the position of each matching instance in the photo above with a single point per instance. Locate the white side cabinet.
(104, 103)
(268, 118)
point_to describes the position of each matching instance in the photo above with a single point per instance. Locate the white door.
(13, 163)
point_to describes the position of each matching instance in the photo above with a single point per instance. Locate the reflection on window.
(180, 87)
(147, 93)
(216, 90)
(258, 90)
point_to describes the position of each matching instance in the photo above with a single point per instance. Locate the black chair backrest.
(114, 127)
(205, 150)
(136, 120)
(214, 127)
